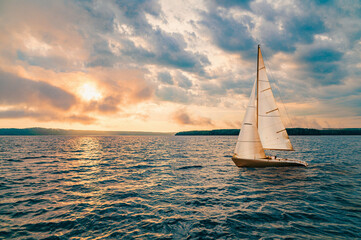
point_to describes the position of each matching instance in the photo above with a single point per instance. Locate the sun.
(89, 92)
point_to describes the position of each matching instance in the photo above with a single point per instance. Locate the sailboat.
(262, 127)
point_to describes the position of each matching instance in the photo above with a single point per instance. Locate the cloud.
(47, 35)
(230, 34)
(241, 25)
(21, 113)
(235, 86)
(135, 9)
(213, 88)
(123, 86)
(44, 116)
(165, 49)
(106, 105)
(291, 24)
(15, 90)
(233, 3)
(173, 94)
(183, 81)
(201, 57)
(182, 117)
(323, 65)
(131, 39)
(165, 77)
(80, 118)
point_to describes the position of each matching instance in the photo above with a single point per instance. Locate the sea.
(176, 187)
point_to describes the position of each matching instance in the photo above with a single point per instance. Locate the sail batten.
(272, 110)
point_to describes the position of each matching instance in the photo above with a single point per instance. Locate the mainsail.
(271, 130)
(249, 145)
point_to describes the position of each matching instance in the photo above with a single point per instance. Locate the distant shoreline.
(65, 132)
(216, 132)
(290, 131)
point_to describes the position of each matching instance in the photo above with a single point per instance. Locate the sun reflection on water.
(85, 153)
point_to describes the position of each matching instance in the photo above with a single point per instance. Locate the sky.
(168, 66)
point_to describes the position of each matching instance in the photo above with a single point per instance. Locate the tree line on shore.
(290, 131)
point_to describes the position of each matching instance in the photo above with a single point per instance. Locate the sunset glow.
(172, 66)
(89, 92)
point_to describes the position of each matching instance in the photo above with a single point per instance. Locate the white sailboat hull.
(268, 162)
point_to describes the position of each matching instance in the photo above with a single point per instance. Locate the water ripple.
(153, 187)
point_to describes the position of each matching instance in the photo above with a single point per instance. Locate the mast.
(257, 84)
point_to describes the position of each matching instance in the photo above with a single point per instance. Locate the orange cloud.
(182, 117)
(19, 91)
(124, 87)
(43, 115)
(42, 34)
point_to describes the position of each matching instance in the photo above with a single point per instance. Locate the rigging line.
(279, 91)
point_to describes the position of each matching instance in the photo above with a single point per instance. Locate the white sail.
(271, 130)
(249, 144)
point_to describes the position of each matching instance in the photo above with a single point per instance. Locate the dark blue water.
(131, 187)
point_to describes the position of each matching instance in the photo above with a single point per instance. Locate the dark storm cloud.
(16, 90)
